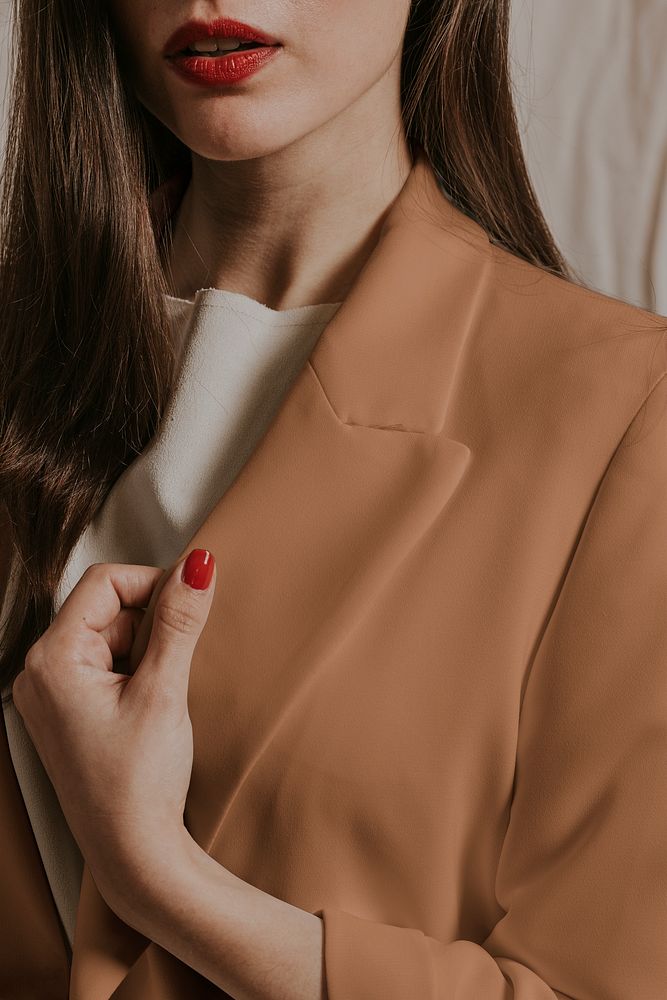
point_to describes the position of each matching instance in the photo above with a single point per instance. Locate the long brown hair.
(85, 349)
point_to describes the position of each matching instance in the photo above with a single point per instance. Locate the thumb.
(179, 616)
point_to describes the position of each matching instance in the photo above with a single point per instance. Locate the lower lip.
(215, 71)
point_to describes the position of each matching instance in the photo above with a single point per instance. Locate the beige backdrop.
(590, 78)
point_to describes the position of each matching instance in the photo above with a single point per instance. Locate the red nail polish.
(198, 569)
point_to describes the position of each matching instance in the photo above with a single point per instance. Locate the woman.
(406, 740)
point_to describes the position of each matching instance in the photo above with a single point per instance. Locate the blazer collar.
(388, 357)
(356, 465)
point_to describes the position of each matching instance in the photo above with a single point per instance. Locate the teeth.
(209, 45)
(216, 45)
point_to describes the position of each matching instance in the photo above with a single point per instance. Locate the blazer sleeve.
(582, 875)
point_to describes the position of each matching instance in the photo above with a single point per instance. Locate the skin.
(122, 776)
(293, 173)
(294, 168)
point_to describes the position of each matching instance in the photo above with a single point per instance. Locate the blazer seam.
(564, 576)
(661, 340)
(351, 423)
(566, 571)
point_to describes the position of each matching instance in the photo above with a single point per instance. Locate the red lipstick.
(222, 67)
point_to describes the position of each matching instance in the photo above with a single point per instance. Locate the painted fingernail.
(198, 569)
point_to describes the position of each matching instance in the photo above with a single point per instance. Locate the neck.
(290, 228)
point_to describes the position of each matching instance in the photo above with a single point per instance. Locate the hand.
(117, 747)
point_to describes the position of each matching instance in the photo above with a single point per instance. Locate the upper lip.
(222, 27)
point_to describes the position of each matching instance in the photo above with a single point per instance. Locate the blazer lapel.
(353, 470)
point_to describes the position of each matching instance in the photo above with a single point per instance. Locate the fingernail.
(198, 569)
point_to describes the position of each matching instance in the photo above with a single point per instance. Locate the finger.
(120, 634)
(103, 590)
(179, 616)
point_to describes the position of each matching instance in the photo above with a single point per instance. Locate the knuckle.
(33, 658)
(41, 665)
(94, 570)
(39, 675)
(18, 688)
(178, 619)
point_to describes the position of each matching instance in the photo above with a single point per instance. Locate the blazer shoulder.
(539, 355)
(546, 314)
(575, 353)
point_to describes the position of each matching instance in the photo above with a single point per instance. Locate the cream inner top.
(237, 358)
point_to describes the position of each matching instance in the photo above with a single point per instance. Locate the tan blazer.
(430, 701)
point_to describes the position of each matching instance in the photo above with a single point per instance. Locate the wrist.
(143, 883)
